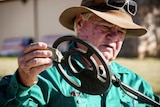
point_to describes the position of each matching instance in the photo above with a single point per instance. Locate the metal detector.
(92, 79)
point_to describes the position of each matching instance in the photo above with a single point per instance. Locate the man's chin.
(108, 58)
(107, 55)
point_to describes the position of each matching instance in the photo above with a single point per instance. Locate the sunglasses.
(126, 5)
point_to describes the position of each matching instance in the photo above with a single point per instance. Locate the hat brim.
(116, 17)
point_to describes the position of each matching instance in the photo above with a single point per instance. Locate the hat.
(116, 17)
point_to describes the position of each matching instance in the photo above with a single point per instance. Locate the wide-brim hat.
(115, 17)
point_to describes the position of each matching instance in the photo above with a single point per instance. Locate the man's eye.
(106, 27)
(122, 32)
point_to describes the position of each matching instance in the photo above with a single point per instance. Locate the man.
(37, 82)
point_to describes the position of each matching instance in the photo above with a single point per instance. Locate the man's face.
(108, 38)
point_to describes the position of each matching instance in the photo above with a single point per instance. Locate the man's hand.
(34, 59)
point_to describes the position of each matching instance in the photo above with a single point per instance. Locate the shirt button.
(5, 78)
(14, 85)
(78, 101)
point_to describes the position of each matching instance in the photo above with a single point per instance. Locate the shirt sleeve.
(13, 94)
(10, 89)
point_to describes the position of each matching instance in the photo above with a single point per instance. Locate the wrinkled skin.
(107, 37)
(32, 61)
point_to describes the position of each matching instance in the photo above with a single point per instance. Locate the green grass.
(8, 65)
(148, 68)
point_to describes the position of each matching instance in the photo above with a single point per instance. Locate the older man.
(104, 23)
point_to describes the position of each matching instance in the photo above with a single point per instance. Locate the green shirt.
(53, 91)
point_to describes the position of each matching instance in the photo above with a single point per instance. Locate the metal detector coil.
(93, 79)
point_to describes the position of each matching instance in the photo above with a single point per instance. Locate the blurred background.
(25, 21)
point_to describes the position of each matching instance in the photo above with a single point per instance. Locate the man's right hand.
(33, 60)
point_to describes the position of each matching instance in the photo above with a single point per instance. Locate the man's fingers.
(36, 54)
(36, 62)
(35, 46)
(33, 60)
(40, 68)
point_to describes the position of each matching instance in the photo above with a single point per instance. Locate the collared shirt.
(53, 91)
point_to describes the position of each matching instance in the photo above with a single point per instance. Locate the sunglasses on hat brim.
(126, 5)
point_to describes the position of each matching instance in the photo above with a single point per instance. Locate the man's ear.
(79, 21)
